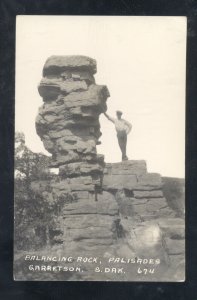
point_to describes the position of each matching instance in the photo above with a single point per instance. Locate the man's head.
(118, 114)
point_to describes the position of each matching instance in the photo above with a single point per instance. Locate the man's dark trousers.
(122, 141)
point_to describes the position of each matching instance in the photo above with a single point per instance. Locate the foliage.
(35, 210)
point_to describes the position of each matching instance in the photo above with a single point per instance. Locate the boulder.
(90, 233)
(74, 184)
(129, 167)
(87, 220)
(50, 89)
(149, 208)
(149, 181)
(55, 65)
(105, 205)
(117, 182)
(96, 95)
(155, 204)
(148, 194)
(80, 168)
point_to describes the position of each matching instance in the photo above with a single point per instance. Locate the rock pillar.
(68, 125)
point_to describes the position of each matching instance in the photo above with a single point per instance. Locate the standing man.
(123, 128)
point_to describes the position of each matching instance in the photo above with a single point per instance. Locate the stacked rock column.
(68, 125)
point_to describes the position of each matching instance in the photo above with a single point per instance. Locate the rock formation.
(146, 200)
(152, 228)
(100, 203)
(68, 125)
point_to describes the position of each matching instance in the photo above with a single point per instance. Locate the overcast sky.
(142, 60)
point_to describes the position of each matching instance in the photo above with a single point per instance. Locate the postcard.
(99, 148)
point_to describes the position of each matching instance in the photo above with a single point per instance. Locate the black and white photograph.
(100, 148)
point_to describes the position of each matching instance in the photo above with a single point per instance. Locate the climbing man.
(123, 128)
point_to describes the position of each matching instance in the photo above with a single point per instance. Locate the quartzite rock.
(138, 193)
(68, 125)
(149, 181)
(50, 88)
(105, 205)
(88, 220)
(80, 168)
(68, 122)
(133, 176)
(56, 65)
(129, 167)
(116, 182)
(148, 194)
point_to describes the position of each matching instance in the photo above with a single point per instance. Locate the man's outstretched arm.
(109, 118)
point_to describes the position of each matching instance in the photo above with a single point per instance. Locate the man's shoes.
(124, 158)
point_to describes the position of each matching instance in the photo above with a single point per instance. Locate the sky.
(142, 60)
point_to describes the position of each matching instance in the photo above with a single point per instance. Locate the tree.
(31, 209)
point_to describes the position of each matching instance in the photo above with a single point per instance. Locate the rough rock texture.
(174, 192)
(68, 121)
(56, 65)
(68, 125)
(130, 178)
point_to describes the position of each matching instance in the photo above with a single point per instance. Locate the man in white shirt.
(123, 128)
